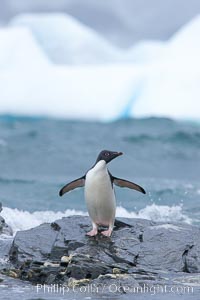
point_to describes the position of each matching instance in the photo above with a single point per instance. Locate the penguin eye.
(106, 153)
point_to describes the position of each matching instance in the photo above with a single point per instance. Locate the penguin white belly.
(99, 195)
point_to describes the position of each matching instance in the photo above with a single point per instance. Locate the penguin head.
(107, 155)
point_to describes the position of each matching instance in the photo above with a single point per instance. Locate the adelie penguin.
(99, 192)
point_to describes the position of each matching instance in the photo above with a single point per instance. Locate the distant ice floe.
(22, 220)
(52, 65)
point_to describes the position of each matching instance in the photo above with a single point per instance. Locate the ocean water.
(38, 156)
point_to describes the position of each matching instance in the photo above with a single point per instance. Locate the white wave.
(22, 220)
(158, 213)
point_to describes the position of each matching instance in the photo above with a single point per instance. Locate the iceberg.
(18, 49)
(172, 83)
(52, 65)
(66, 41)
(90, 93)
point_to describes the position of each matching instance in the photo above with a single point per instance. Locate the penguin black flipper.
(79, 182)
(125, 183)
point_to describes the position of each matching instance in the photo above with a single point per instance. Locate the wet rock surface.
(4, 228)
(5, 241)
(139, 252)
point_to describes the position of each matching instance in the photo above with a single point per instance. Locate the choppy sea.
(38, 156)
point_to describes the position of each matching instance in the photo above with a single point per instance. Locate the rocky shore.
(139, 253)
(4, 228)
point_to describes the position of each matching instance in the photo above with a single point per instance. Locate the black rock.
(138, 250)
(4, 228)
(5, 241)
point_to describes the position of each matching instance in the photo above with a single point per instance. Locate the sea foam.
(22, 220)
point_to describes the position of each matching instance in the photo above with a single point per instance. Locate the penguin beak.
(119, 153)
(116, 154)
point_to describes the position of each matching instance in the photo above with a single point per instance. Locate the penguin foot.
(107, 232)
(93, 232)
